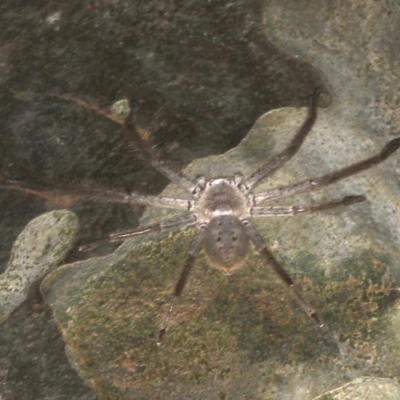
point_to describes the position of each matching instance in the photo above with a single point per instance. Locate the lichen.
(39, 248)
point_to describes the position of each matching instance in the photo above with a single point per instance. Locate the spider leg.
(135, 140)
(328, 179)
(258, 241)
(52, 193)
(140, 231)
(187, 267)
(85, 104)
(272, 211)
(279, 160)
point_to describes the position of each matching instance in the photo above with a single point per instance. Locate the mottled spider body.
(222, 196)
(222, 208)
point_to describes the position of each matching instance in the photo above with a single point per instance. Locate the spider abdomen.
(226, 243)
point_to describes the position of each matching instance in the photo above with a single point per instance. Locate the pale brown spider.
(221, 208)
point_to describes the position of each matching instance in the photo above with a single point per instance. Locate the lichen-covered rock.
(40, 247)
(243, 336)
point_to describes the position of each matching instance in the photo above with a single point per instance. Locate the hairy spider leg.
(275, 211)
(140, 231)
(330, 178)
(280, 159)
(270, 260)
(135, 140)
(46, 191)
(187, 267)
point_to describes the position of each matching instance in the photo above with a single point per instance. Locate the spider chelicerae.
(222, 208)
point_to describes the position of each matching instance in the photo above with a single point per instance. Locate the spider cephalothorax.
(222, 208)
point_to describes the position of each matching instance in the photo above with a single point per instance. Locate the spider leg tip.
(391, 147)
(353, 199)
(314, 95)
(161, 336)
(396, 142)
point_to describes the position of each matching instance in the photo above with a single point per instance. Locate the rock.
(39, 248)
(243, 335)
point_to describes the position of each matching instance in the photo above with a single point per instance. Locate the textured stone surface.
(244, 336)
(201, 72)
(365, 388)
(39, 248)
